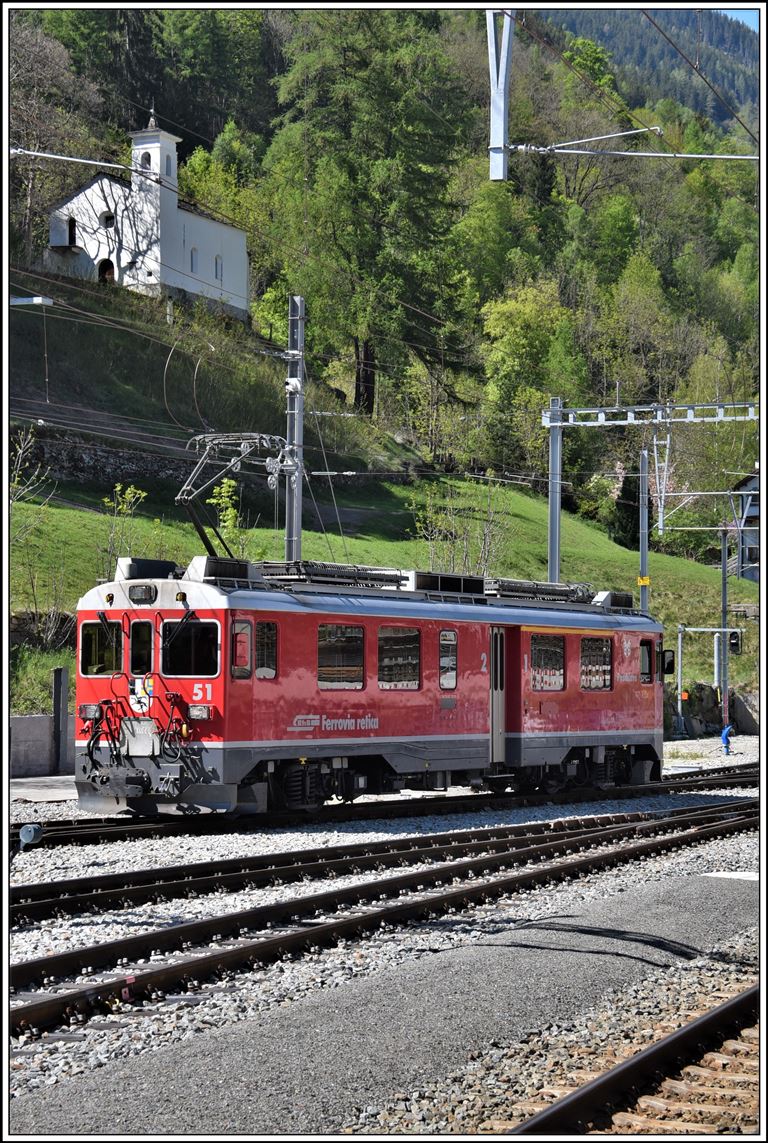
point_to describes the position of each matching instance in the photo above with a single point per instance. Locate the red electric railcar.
(239, 687)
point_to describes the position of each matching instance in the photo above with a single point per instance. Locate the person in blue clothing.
(724, 737)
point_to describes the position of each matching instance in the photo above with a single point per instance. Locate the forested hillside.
(351, 146)
(646, 59)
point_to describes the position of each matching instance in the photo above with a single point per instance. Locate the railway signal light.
(734, 642)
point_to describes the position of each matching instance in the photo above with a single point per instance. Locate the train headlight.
(200, 712)
(145, 593)
(88, 710)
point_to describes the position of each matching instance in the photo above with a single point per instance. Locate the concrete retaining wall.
(32, 753)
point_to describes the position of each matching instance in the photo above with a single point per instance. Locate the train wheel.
(531, 780)
(296, 786)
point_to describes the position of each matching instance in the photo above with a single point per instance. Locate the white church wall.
(184, 233)
(149, 240)
(111, 224)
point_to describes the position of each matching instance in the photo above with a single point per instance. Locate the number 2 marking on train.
(484, 660)
(199, 688)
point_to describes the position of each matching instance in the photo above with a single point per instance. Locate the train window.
(190, 648)
(266, 650)
(547, 662)
(340, 657)
(596, 665)
(101, 648)
(646, 661)
(659, 661)
(399, 658)
(141, 647)
(240, 664)
(449, 660)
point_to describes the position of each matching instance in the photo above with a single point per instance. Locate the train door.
(239, 686)
(498, 701)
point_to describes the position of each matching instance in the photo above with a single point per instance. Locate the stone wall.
(702, 711)
(42, 629)
(744, 711)
(74, 459)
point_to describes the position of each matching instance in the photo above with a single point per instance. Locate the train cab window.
(449, 660)
(101, 648)
(266, 650)
(646, 661)
(596, 665)
(241, 663)
(340, 663)
(399, 658)
(141, 647)
(190, 648)
(547, 662)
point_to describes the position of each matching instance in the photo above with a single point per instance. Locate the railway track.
(121, 973)
(97, 831)
(76, 895)
(732, 770)
(703, 1078)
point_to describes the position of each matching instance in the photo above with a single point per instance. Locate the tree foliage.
(51, 109)
(728, 54)
(351, 146)
(358, 177)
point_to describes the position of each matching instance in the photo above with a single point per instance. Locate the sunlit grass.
(68, 554)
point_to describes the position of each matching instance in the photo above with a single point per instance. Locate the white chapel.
(138, 234)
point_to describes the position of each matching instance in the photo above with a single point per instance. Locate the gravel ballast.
(467, 1067)
(331, 1056)
(58, 935)
(156, 1026)
(29, 803)
(482, 1095)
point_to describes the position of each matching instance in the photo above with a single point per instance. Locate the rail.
(312, 928)
(577, 1111)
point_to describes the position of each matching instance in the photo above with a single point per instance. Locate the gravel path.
(745, 751)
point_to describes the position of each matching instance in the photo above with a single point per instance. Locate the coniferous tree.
(624, 527)
(366, 152)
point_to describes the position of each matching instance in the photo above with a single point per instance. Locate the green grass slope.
(441, 523)
(102, 362)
